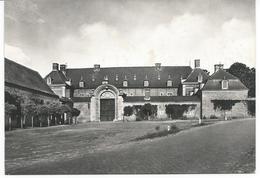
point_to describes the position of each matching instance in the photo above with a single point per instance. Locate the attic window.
(134, 77)
(125, 83)
(169, 83)
(81, 84)
(199, 78)
(93, 78)
(224, 84)
(146, 83)
(49, 80)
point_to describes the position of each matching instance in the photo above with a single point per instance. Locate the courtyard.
(112, 147)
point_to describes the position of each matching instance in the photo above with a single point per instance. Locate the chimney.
(96, 67)
(63, 68)
(55, 66)
(218, 66)
(197, 63)
(158, 66)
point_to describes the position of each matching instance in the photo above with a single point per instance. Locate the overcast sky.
(82, 33)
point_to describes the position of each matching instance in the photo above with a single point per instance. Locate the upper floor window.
(147, 94)
(134, 77)
(224, 84)
(125, 83)
(49, 80)
(81, 84)
(93, 78)
(146, 83)
(200, 78)
(159, 77)
(116, 77)
(169, 83)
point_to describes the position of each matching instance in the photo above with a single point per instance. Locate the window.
(93, 78)
(134, 77)
(49, 80)
(169, 94)
(161, 93)
(116, 77)
(125, 83)
(199, 78)
(146, 83)
(169, 83)
(81, 84)
(224, 84)
(159, 77)
(147, 94)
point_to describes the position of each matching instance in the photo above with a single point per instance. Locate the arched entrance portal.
(107, 106)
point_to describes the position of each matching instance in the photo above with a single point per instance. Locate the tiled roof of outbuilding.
(87, 74)
(22, 76)
(193, 77)
(214, 82)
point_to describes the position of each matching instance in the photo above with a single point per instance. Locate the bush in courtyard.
(251, 107)
(176, 111)
(128, 110)
(145, 112)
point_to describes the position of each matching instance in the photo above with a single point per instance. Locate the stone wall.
(238, 110)
(192, 113)
(84, 108)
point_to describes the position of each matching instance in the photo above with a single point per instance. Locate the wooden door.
(107, 109)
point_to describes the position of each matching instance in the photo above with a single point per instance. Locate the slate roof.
(193, 77)
(57, 77)
(141, 74)
(162, 99)
(21, 76)
(214, 82)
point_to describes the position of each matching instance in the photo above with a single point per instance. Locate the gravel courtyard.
(108, 148)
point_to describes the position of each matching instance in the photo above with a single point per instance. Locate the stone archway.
(101, 93)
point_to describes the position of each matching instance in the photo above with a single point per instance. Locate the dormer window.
(134, 77)
(200, 78)
(49, 80)
(125, 83)
(116, 77)
(93, 78)
(169, 83)
(81, 84)
(224, 84)
(146, 83)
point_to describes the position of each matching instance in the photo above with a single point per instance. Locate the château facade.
(101, 94)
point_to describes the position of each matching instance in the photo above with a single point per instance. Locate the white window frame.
(146, 83)
(169, 83)
(49, 80)
(125, 83)
(222, 85)
(81, 84)
(200, 78)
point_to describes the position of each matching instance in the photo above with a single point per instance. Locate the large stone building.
(102, 93)
(222, 86)
(26, 84)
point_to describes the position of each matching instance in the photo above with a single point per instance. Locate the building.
(223, 86)
(26, 84)
(101, 94)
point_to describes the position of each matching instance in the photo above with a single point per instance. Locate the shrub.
(176, 111)
(251, 107)
(128, 110)
(142, 112)
(213, 117)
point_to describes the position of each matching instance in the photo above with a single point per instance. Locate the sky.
(81, 33)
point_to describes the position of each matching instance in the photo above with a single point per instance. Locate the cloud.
(184, 38)
(16, 54)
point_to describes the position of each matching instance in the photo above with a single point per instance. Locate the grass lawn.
(29, 146)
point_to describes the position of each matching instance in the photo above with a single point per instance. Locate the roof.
(193, 77)
(214, 82)
(162, 99)
(57, 77)
(150, 73)
(19, 75)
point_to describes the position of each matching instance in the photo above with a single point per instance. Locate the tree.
(224, 105)
(9, 111)
(75, 113)
(42, 111)
(246, 76)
